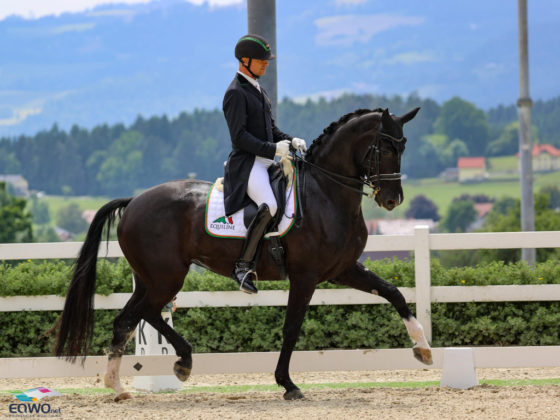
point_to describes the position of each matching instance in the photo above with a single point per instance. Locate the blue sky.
(67, 62)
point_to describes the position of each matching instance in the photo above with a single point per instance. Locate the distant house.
(471, 169)
(88, 215)
(482, 209)
(17, 183)
(546, 158)
(450, 175)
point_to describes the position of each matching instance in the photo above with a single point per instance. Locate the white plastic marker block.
(151, 343)
(458, 368)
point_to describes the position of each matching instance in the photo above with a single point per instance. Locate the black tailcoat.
(253, 133)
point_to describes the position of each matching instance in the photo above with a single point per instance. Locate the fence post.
(423, 278)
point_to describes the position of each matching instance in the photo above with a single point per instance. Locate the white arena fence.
(421, 243)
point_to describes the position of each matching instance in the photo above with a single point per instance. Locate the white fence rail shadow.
(423, 294)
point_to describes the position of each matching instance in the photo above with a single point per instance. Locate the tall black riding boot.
(245, 266)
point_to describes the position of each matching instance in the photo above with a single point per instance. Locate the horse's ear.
(408, 116)
(386, 119)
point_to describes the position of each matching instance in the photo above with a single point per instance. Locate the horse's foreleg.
(183, 348)
(300, 294)
(362, 279)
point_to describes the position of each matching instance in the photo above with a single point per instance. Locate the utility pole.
(524, 104)
(261, 19)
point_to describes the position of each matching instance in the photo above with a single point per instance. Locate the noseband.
(369, 179)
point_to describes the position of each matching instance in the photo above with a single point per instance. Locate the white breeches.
(258, 188)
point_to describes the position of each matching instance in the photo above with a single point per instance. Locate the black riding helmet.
(253, 47)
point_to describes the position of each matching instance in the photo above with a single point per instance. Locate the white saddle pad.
(220, 226)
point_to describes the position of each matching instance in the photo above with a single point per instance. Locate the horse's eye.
(386, 153)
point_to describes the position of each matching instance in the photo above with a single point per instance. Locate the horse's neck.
(339, 199)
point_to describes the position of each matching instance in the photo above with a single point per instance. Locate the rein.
(368, 180)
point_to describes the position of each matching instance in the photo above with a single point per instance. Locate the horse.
(161, 233)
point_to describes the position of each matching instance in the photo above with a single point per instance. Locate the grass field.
(442, 193)
(56, 202)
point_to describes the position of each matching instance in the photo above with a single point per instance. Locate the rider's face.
(258, 67)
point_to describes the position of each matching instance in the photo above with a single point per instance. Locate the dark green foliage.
(461, 120)
(421, 207)
(15, 220)
(325, 327)
(460, 215)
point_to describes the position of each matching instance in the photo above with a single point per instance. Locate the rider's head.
(253, 53)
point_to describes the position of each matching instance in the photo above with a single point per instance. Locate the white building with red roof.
(471, 169)
(546, 158)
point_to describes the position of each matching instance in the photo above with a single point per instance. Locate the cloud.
(349, 2)
(412, 57)
(77, 27)
(345, 30)
(19, 115)
(35, 9)
(215, 3)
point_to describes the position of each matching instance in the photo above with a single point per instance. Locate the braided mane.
(335, 125)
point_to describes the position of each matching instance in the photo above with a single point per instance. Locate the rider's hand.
(299, 144)
(283, 148)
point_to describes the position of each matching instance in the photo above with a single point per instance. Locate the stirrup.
(242, 282)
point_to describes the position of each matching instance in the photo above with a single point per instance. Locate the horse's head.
(382, 162)
(365, 147)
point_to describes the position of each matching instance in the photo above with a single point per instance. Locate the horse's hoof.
(423, 355)
(181, 372)
(294, 394)
(123, 396)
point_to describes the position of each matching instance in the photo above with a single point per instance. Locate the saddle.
(288, 198)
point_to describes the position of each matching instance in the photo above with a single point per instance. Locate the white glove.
(283, 148)
(299, 144)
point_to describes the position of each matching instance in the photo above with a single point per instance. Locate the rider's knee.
(273, 208)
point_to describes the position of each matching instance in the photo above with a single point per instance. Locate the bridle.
(373, 180)
(369, 179)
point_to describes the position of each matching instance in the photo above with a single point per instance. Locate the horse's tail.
(75, 326)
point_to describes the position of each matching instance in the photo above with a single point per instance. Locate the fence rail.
(420, 243)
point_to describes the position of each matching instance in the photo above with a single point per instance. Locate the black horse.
(161, 232)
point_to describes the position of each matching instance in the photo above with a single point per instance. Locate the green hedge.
(260, 328)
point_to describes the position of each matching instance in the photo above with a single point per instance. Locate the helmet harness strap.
(248, 67)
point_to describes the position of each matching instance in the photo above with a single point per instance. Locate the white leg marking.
(112, 378)
(416, 332)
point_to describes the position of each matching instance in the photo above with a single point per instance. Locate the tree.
(452, 152)
(505, 216)
(460, 119)
(40, 211)
(460, 215)
(553, 192)
(422, 207)
(508, 141)
(421, 159)
(15, 222)
(70, 219)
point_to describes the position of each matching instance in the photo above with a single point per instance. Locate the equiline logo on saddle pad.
(220, 226)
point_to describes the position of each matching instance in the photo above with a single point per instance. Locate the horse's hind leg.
(361, 278)
(123, 329)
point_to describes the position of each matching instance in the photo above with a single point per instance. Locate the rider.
(256, 141)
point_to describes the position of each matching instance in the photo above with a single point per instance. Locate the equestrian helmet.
(253, 46)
